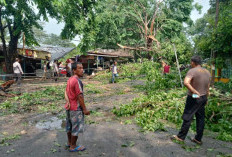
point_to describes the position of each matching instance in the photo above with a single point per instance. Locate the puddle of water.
(52, 123)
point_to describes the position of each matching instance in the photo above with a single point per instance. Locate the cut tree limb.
(7, 85)
(154, 39)
(135, 48)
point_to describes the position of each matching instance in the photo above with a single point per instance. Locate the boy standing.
(114, 72)
(75, 108)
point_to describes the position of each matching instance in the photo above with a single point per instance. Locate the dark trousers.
(18, 78)
(68, 74)
(113, 77)
(55, 75)
(193, 107)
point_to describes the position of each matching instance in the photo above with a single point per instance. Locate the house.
(101, 59)
(223, 72)
(32, 57)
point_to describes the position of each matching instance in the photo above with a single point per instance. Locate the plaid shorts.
(75, 122)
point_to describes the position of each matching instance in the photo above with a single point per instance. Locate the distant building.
(32, 57)
(101, 59)
(224, 73)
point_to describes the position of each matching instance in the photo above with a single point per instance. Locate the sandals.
(67, 146)
(77, 149)
(174, 137)
(196, 141)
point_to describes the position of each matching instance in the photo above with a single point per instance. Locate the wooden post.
(97, 62)
(103, 62)
(178, 66)
(24, 67)
(88, 66)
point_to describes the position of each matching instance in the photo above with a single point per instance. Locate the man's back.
(200, 79)
(166, 69)
(16, 67)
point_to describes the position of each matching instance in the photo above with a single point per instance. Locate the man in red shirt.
(75, 108)
(166, 68)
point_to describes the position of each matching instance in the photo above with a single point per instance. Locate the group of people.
(51, 70)
(197, 82)
(47, 69)
(114, 70)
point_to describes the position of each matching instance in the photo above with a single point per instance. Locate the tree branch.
(3, 27)
(140, 16)
(135, 48)
(154, 17)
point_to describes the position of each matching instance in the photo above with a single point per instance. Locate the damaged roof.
(111, 53)
(56, 52)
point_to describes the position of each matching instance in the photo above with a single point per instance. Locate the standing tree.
(159, 19)
(214, 32)
(141, 24)
(21, 16)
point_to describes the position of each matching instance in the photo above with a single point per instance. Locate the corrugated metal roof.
(56, 52)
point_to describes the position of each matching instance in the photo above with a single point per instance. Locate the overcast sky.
(53, 27)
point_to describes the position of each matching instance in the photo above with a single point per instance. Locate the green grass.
(92, 89)
(5, 140)
(45, 100)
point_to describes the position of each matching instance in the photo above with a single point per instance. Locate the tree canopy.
(207, 37)
(146, 23)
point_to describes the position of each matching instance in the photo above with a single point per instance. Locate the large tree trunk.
(2, 29)
(12, 48)
(12, 53)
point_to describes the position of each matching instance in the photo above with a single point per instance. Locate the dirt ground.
(105, 135)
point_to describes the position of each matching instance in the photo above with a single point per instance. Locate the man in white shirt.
(44, 77)
(114, 71)
(17, 71)
(55, 69)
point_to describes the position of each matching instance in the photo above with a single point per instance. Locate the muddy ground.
(39, 135)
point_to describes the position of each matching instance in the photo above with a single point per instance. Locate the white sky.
(53, 27)
(205, 4)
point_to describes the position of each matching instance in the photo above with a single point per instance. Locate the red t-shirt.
(166, 68)
(73, 89)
